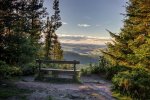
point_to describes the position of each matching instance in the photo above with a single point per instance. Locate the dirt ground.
(92, 88)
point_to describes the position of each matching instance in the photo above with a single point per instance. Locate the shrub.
(7, 71)
(96, 68)
(101, 67)
(93, 69)
(29, 69)
(111, 71)
(86, 71)
(135, 83)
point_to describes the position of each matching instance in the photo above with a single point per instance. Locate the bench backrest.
(58, 61)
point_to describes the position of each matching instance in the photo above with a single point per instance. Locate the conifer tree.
(57, 50)
(52, 25)
(16, 30)
(131, 47)
(34, 13)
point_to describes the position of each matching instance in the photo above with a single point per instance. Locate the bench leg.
(76, 76)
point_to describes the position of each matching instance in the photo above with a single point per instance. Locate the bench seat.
(58, 70)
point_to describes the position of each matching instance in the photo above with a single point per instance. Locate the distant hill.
(85, 53)
(83, 49)
(84, 59)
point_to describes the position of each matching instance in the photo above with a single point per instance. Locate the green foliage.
(20, 30)
(7, 71)
(135, 83)
(119, 96)
(131, 46)
(86, 71)
(101, 67)
(97, 68)
(113, 70)
(21, 26)
(18, 49)
(29, 69)
(57, 51)
(93, 69)
(52, 46)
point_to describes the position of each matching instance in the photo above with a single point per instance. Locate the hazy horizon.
(81, 39)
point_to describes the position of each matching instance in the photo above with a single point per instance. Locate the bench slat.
(59, 70)
(59, 62)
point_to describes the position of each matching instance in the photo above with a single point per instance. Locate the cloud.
(81, 39)
(83, 36)
(84, 25)
(64, 23)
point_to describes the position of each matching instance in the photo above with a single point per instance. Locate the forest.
(124, 63)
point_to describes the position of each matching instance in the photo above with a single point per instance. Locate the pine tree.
(9, 17)
(16, 42)
(34, 12)
(131, 47)
(52, 25)
(57, 50)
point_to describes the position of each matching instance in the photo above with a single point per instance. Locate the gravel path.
(92, 88)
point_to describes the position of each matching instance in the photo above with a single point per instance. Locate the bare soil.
(92, 88)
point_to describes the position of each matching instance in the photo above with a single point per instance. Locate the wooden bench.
(56, 72)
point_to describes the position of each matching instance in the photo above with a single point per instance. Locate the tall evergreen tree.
(16, 42)
(57, 50)
(52, 25)
(131, 47)
(34, 14)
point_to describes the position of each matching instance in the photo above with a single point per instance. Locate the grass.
(8, 90)
(119, 96)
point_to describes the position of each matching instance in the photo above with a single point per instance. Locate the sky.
(89, 17)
